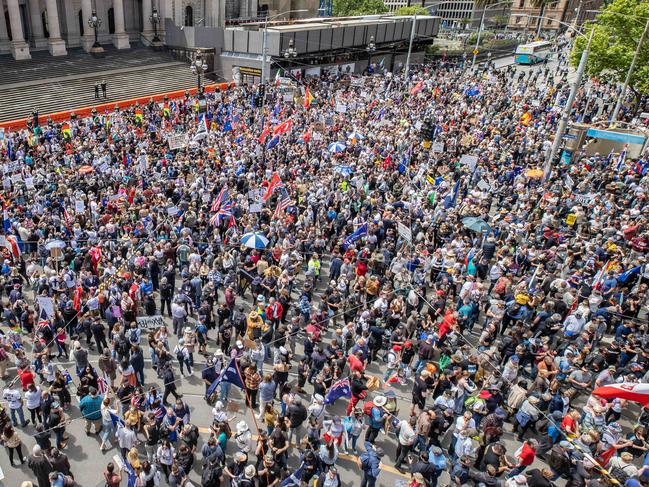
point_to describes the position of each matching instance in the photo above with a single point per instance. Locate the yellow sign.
(571, 219)
(475, 52)
(426, 144)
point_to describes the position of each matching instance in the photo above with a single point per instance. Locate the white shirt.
(33, 398)
(12, 396)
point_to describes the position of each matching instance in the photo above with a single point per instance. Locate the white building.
(57, 25)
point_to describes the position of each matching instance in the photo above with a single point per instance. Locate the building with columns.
(58, 25)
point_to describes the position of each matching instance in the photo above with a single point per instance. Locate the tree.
(412, 11)
(349, 8)
(614, 43)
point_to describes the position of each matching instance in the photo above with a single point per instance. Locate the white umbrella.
(336, 147)
(254, 240)
(55, 244)
(355, 135)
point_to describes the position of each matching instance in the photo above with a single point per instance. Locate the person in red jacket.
(274, 311)
(524, 456)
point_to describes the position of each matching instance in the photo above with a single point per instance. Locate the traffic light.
(427, 130)
(259, 97)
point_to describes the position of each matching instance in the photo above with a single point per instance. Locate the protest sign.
(150, 322)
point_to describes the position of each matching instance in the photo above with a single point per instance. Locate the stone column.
(120, 37)
(56, 44)
(147, 28)
(88, 38)
(4, 36)
(36, 22)
(19, 48)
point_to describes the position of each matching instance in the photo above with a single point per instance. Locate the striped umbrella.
(254, 240)
(355, 136)
(336, 147)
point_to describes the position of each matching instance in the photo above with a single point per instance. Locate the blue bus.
(532, 53)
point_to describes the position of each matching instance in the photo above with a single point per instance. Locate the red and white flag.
(283, 127)
(627, 390)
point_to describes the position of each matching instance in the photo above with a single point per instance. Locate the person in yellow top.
(254, 325)
(314, 266)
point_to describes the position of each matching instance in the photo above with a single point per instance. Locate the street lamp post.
(199, 68)
(481, 26)
(371, 47)
(155, 20)
(95, 22)
(290, 52)
(565, 116)
(264, 41)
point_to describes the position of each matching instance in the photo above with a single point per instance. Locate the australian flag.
(229, 374)
(360, 232)
(340, 388)
(295, 479)
(131, 479)
(117, 421)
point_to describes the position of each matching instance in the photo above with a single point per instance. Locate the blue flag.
(117, 421)
(625, 276)
(68, 377)
(273, 142)
(473, 91)
(295, 479)
(227, 126)
(229, 374)
(131, 479)
(360, 231)
(340, 388)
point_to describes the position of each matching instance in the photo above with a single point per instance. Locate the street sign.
(475, 52)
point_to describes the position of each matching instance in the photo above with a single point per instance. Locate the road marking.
(344, 456)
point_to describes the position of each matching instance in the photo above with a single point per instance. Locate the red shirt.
(569, 424)
(26, 378)
(355, 363)
(527, 455)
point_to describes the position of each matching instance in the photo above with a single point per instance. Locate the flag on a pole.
(201, 131)
(274, 183)
(295, 479)
(625, 276)
(230, 374)
(620, 159)
(116, 420)
(283, 127)
(272, 142)
(68, 377)
(102, 385)
(264, 133)
(283, 202)
(417, 88)
(358, 233)
(308, 98)
(340, 388)
(631, 391)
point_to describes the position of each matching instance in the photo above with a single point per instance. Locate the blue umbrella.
(336, 147)
(355, 135)
(254, 240)
(343, 169)
(476, 224)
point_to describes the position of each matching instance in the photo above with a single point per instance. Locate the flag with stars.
(340, 388)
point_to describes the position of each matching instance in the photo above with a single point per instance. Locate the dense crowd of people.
(381, 266)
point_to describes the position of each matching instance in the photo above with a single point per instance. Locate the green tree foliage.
(412, 11)
(614, 43)
(346, 8)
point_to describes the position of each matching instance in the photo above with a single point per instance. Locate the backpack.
(210, 476)
(619, 474)
(365, 460)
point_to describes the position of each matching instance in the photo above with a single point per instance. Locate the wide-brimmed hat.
(242, 426)
(380, 401)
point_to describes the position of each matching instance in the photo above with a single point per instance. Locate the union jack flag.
(102, 385)
(223, 195)
(67, 218)
(224, 212)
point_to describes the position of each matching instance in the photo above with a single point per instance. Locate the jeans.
(371, 434)
(298, 432)
(516, 470)
(21, 416)
(108, 429)
(368, 480)
(225, 391)
(58, 433)
(402, 454)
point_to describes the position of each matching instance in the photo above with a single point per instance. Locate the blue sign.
(616, 136)
(566, 155)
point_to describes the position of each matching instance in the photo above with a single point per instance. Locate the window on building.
(521, 4)
(46, 31)
(189, 16)
(111, 21)
(81, 22)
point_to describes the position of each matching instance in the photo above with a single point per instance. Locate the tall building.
(557, 14)
(464, 13)
(57, 25)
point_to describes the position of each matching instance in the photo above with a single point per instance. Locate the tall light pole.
(199, 68)
(95, 22)
(155, 20)
(565, 116)
(370, 48)
(480, 27)
(264, 42)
